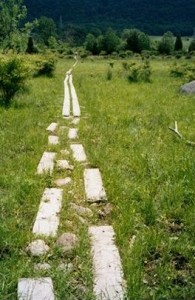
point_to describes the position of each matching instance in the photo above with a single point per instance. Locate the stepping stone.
(63, 164)
(75, 104)
(83, 211)
(47, 219)
(35, 289)
(46, 163)
(37, 248)
(78, 152)
(68, 242)
(63, 181)
(72, 134)
(53, 140)
(66, 104)
(52, 127)
(75, 121)
(94, 189)
(108, 275)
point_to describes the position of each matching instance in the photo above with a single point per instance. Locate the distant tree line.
(43, 33)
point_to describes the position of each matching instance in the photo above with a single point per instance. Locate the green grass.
(23, 139)
(147, 171)
(148, 174)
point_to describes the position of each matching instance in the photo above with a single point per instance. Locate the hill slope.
(154, 17)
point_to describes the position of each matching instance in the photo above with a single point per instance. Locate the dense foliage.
(153, 17)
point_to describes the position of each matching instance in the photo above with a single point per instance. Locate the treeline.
(151, 16)
(43, 33)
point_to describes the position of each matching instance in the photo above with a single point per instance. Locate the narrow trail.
(108, 278)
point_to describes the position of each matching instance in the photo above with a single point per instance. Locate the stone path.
(47, 219)
(108, 274)
(107, 269)
(94, 189)
(46, 164)
(35, 289)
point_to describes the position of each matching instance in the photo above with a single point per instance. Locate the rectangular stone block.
(78, 152)
(46, 163)
(94, 189)
(109, 281)
(72, 133)
(52, 127)
(35, 289)
(66, 104)
(75, 103)
(53, 140)
(47, 219)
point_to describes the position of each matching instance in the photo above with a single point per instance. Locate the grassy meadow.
(148, 174)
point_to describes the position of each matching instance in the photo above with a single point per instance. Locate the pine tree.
(178, 44)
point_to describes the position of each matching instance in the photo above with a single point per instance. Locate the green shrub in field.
(109, 74)
(138, 72)
(183, 70)
(45, 66)
(12, 79)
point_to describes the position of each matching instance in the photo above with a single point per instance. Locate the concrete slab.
(52, 127)
(53, 140)
(35, 289)
(66, 104)
(46, 163)
(75, 103)
(94, 189)
(72, 133)
(47, 219)
(78, 152)
(108, 275)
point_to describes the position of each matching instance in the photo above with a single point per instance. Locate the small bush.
(109, 74)
(45, 66)
(139, 72)
(12, 79)
(185, 71)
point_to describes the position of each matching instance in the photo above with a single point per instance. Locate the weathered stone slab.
(52, 127)
(107, 269)
(94, 189)
(35, 289)
(72, 133)
(75, 104)
(53, 140)
(47, 219)
(78, 152)
(66, 104)
(46, 163)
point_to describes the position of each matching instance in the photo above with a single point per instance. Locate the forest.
(150, 16)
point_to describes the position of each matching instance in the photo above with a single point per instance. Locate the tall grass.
(148, 174)
(23, 139)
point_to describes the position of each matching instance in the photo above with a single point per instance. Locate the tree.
(166, 44)
(178, 44)
(192, 45)
(46, 28)
(136, 40)
(111, 41)
(12, 12)
(91, 44)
